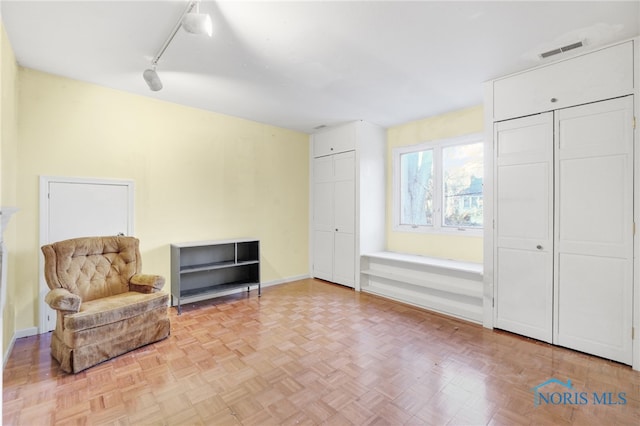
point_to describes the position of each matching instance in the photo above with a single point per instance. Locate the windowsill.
(465, 232)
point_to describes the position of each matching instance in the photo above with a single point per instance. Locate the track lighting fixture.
(193, 22)
(153, 80)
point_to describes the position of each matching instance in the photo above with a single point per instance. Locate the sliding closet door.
(594, 228)
(524, 230)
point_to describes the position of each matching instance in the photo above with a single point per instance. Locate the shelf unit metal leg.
(179, 306)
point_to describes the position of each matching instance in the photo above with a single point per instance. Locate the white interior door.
(71, 207)
(334, 218)
(344, 219)
(323, 218)
(524, 230)
(594, 228)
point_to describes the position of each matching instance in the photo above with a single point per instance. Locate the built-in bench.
(447, 286)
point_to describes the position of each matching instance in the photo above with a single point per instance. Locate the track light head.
(153, 80)
(197, 23)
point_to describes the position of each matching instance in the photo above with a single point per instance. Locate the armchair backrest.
(92, 267)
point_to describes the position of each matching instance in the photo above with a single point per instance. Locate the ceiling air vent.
(562, 49)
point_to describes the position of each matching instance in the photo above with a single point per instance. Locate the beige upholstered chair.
(105, 306)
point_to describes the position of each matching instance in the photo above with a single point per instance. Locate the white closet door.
(524, 230)
(594, 235)
(334, 218)
(344, 218)
(323, 218)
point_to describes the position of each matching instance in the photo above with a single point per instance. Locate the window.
(438, 186)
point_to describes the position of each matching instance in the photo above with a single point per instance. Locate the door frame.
(43, 323)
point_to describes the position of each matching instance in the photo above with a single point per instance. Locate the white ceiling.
(302, 64)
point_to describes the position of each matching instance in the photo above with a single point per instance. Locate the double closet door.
(334, 218)
(564, 227)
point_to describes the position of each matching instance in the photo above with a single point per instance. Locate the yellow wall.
(198, 175)
(444, 126)
(8, 168)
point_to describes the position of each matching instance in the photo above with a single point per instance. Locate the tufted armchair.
(105, 306)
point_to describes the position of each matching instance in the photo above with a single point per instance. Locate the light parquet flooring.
(314, 353)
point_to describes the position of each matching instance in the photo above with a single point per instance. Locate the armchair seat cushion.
(110, 334)
(108, 310)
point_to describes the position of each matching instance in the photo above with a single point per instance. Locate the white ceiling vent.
(562, 49)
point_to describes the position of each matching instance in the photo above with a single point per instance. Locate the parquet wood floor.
(314, 353)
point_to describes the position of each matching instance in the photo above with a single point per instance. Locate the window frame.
(437, 226)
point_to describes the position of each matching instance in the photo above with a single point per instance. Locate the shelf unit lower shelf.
(206, 269)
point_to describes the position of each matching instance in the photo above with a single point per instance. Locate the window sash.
(460, 213)
(436, 224)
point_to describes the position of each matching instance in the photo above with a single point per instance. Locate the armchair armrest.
(62, 299)
(146, 283)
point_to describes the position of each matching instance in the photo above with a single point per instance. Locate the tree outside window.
(416, 188)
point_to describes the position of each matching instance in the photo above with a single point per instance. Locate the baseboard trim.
(19, 334)
(26, 332)
(285, 280)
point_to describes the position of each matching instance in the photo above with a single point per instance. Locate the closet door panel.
(323, 255)
(591, 198)
(524, 140)
(344, 264)
(592, 306)
(523, 232)
(323, 206)
(594, 228)
(524, 305)
(323, 193)
(323, 169)
(344, 210)
(344, 166)
(344, 193)
(523, 191)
